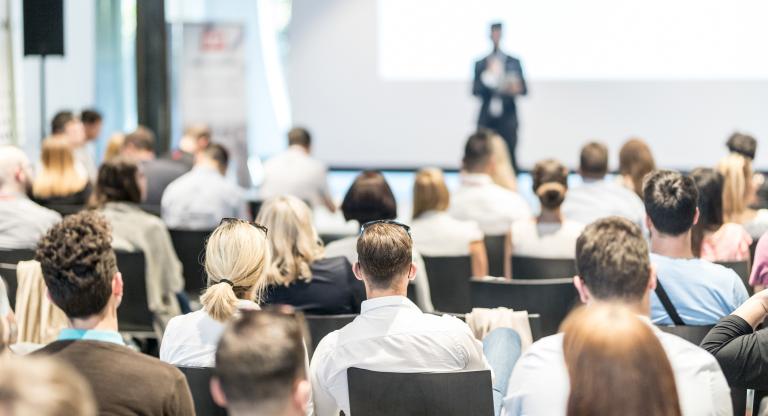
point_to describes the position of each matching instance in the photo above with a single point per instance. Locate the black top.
(77, 199)
(741, 352)
(333, 290)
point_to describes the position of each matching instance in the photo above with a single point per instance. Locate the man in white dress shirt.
(478, 199)
(393, 335)
(295, 172)
(614, 266)
(599, 197)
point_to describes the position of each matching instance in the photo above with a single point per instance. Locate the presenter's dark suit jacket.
(509, 113)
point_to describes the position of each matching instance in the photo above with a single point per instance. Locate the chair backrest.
(540, 268)
(65, 210)
(374, 393)
(190, 248)
(494, 247)
(8, 261)
(550, 298)
(329, 238)
(742, 269)
(449, 282)
(199, 380)
(133, 315)
(321, 325)
(691, 333)
(255, 207)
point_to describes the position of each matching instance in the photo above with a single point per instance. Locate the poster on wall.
(213, 88)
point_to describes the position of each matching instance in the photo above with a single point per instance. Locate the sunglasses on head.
(252, 223)
(392, 222)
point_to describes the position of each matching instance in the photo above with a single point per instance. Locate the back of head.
(478, 152)
(43, 386)
(742, 144)
(612, 260)
(299, 136)
(670, 201)
(429, 192)
(198, 137)
(737, 185)
(609, 352)
(636, 161)
(78, 263)
(12, 159)
(114, 145)
(550, 183)
(709, 182)
(90, 116)
(59, 177)
(141, 139)
(385, 254)
(369, 198)
(593, 162)
(239, 253)
(60, 121)
(294, 240)
(117, 181)
(259, 360)
(218, 154)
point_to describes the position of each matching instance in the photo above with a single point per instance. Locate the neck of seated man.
(673, 246)
(106, 320)
(640, 307)
(397, 287)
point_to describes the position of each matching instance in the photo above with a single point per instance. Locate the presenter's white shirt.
(393, 335)
(549, 240)
(600, 198)
(437, 233)
(294, 172)
(539, 385)
(492, 207)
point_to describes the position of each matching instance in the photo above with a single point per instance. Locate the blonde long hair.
(430, 192)
(295, 243)
(737, 185)
(59, 176)
(236, 258)
(503, 174)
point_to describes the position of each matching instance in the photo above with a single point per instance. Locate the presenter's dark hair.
(742, 144)
(90, 116)
(369, 199)
(299, 136)
(709, 182)
(496, 26)
(478, 151)
(670, 201)
(593, 162)
(60, 120)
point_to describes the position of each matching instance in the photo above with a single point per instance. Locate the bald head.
(15, 172)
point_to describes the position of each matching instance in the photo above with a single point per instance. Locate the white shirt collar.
(476, 179)
(387, 301)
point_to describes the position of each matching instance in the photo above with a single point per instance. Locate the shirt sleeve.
(760, 268)
(742, 353)
(324, 403)
(740, 294)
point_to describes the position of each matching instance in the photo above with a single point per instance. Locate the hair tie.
(227, 281)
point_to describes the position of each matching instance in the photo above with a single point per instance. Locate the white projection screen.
(387, 83)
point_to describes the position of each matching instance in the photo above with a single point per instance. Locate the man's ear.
(117, 286)
(412, 272)
(301, 393)
(648, 223)
(217, 393)
(652, 279)
(584, 294)
(357, 270)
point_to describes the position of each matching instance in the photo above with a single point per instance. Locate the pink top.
(729, 243)
(760, 269)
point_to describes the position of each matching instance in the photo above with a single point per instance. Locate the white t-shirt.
(294, 172)
(436, 233)
(549, 240)
(600, 198)
(492, 207)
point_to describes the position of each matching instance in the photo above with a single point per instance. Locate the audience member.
(260, 367)
(236, 260)
(742, 144)
(614, 266)
(114, 146)
(759, 275)
(606, 349)
(92, 122)
(300, 275)
(504, 174)
(712, 239)
(22, 221)
(392, 334)
(690, 291)
(140, 146)
(635, 161)
(68, 125)
(370, 198)
(478, 198)
(597, 197)
(120, 188)
(59, 182)
(43, 386)
(551, 234)
(200, 198)
(80, 271)
(295, 172)
(435, 232)
(196, 137)
(739, 192)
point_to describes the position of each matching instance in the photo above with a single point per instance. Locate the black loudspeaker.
(43, 27)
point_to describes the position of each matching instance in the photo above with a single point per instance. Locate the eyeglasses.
(252, 223)
(392, 222)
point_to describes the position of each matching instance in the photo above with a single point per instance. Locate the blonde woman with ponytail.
(237, 256)
(739, 192)
(550, 234)
(300, 275)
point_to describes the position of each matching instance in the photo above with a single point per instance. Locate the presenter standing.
(498, 80)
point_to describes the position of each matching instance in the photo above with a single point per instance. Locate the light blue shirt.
(72, 334)
(701, 291)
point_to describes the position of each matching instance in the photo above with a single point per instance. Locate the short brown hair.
(142, 139)
(430, 192)
(299, 136)
(369, 199)
(636, 161)
(78, 263)
(259, 357)
(593, 162)
(384, 251)
(117, 181)
(478, 151)
(612, 260)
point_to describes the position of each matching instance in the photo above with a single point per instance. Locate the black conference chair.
(8, 261)
(540, 268)
(553, 299)
(373, 393)
(199, 380)
(494, 247)
(329, 238)
(65, 210)
(742, 269)
(449, 282)
(133, 315)
(190, 248)
(321, 325)
(691, 333)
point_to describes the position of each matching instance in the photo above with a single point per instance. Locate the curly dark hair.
(78, 263)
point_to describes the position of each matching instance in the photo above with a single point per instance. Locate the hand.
(514, 88)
